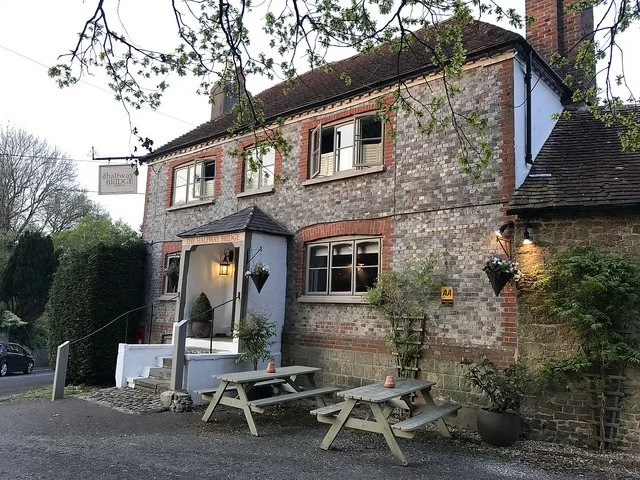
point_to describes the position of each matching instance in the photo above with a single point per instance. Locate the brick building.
(358, 201)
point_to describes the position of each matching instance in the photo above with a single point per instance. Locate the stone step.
(160, 373)
(151, 385)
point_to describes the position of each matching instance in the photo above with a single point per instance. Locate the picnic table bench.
(286, 379)
(409, 395)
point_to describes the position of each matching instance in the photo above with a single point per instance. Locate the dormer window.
(193, 182)
(354, 144)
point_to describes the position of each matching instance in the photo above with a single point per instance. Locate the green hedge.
(90, 289)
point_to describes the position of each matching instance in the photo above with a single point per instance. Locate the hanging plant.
(499, 271)
(259, 274)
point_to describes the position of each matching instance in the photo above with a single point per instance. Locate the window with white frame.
(259, 168)
(171, 272)
(347, 145)
(342, 266)
(193, 182)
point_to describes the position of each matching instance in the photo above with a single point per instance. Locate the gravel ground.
(120, 435)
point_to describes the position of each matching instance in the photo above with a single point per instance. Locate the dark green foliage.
(255, 339)
(505, 389)
(25, 282)
(201, 310)
(600, 294)
(91, 288)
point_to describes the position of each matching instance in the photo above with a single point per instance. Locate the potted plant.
(500, 271)
(255, 339)
(201, 316)
(259, 274)
(499, 424)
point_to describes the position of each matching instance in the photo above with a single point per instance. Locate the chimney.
(222, 99)
(557, 31)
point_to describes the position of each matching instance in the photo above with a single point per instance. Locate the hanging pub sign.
(117, 180)
(446, 295)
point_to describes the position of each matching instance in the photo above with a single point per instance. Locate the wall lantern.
(500, 232)
(225, 264)
(526, 236)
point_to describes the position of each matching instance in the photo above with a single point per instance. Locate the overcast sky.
(32, 35)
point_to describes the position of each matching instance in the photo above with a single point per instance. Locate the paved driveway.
(19, 382)
(75, 439)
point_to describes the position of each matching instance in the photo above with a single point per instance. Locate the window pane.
(365, 278)
(317, 280)
(180, 195)
(250, 178)
(367, 254)
(370, 127)
(342, 255)
(181, 177)
(318, 256)
(341, 279)
(191, 181)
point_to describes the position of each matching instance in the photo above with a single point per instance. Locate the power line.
(96, 87)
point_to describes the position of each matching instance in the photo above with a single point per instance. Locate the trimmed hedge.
(90, 289)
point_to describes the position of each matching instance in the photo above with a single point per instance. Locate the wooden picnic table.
(410, 395)
(287, 379)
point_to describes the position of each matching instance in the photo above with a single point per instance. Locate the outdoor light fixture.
(526, 236)
(225, 264)
(501, 230)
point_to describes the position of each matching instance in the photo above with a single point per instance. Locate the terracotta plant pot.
(271, 367)
(390, 382)
(498, 280)
(259, 281)
(498, 429)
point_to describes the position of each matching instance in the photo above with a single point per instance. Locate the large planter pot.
(498, 429)
(201, 329)
(498, 280)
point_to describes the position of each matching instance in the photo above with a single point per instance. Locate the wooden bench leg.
(247, 410)
(341, 419)
(385, 429)
(440, 425)
(214, 402)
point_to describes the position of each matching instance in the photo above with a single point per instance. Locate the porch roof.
(249, 219)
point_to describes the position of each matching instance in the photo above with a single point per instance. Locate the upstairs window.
(349, 145)
(193, 182)
(259, 172)
(342, 267)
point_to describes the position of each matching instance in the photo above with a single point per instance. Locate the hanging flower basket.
(500, 271)
(259, 274)
(499, 280)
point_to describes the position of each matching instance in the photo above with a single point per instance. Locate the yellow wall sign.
(446, 294)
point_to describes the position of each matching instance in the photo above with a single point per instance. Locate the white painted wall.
(545, 102)
(271, 300)
(135, 360)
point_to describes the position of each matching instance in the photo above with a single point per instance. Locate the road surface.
(19, 382)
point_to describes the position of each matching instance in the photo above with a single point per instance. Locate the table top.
(376, 392)
(261, 375)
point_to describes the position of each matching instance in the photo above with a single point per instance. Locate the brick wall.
(565, 416)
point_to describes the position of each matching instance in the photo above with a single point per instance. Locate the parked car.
(14, 358)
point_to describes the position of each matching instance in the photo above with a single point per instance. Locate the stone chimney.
(557, 31)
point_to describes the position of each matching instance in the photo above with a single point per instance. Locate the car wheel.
(29, 368)
(3, 369)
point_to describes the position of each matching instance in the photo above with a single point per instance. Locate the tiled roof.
(251, 218)
(367, 72)
(581, 165)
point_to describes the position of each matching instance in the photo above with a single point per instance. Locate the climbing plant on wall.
(600, 294)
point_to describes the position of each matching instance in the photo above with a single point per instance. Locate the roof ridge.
(250, 216)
